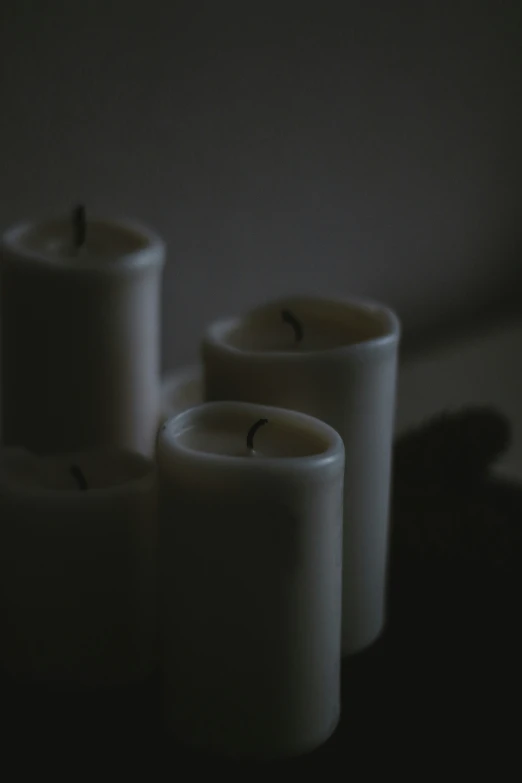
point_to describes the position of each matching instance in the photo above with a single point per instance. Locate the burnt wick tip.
(252, 431)
(79, 225)
(290, 318)
(77, 473)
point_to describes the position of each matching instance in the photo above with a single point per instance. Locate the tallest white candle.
(80, 308)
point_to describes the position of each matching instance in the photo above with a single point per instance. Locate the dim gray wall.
(366, 148)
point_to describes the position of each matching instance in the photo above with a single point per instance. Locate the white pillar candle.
(80, 335)
(78, 566)
(335, 360)
(181, 389)
(250, 542)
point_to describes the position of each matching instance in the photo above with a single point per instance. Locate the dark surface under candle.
(439, 685)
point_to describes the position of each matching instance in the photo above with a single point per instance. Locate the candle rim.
(329, 455)
(216, 333)
(150, 253)
(143, 480)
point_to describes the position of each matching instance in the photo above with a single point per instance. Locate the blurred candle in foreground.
(79, 310)
(78, 566)
(250, 542)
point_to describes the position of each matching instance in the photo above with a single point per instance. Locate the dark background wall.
(368, 148)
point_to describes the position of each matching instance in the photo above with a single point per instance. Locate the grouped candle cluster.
(246, 496)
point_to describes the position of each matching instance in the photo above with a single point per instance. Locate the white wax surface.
(325, 326)
(105, 241)
(275, 439)
(343, 372)
(250, 554)
(80, 336)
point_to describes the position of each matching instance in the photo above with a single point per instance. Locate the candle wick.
(79, 226)
(290, 318)
(77, 473)
(252, 431)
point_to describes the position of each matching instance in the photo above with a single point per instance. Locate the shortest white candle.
(251, 559)
(181, 389)
(77, 566)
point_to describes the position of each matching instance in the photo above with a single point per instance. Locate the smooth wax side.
(250, 544)
(342, 371)
(80, 336)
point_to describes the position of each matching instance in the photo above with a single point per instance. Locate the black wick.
(80, 478)
(252, 431)
(290, 318)
(79, 226)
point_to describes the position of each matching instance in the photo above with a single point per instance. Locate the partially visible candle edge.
(135, 484)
